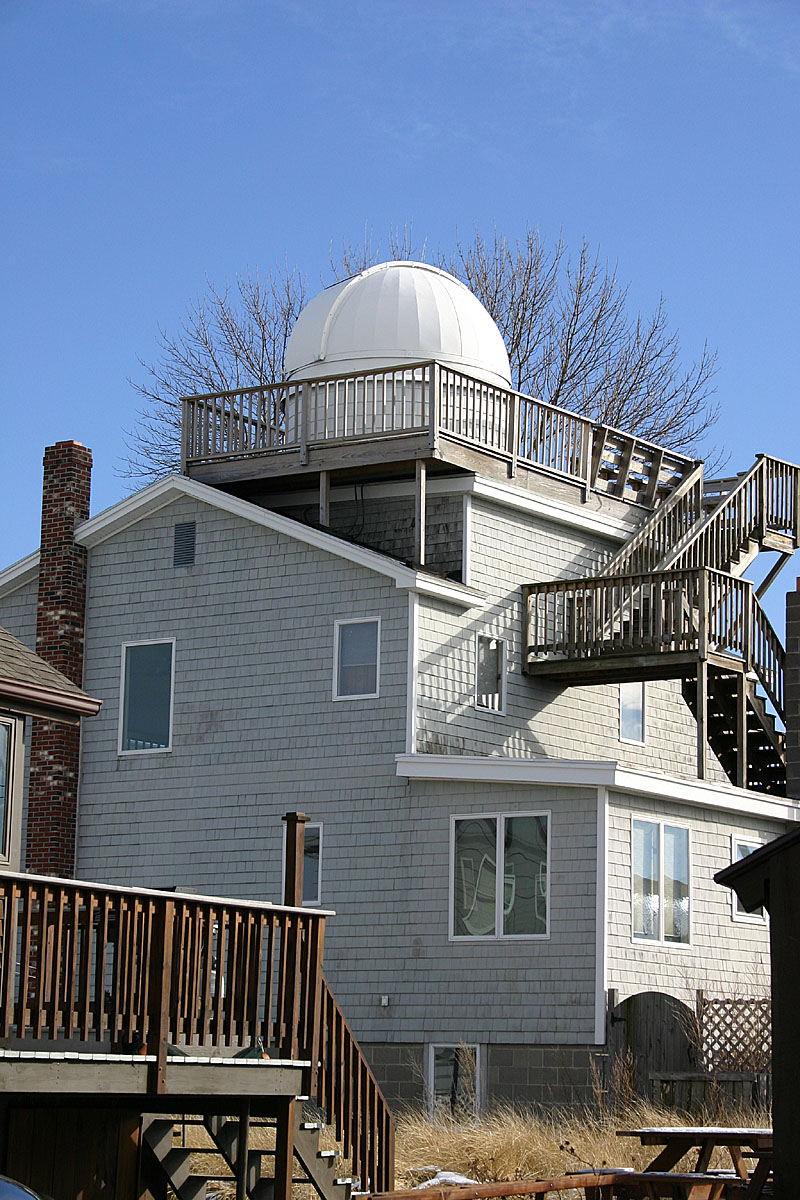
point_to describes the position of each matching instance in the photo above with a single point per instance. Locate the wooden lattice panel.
(735, 1035)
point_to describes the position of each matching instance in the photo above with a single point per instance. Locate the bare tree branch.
(571, 337)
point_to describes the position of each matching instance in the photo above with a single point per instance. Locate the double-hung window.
(312, 863)
(661, 888)
(356, 664)
(146, 697)
(10, 789)
(632, 712)
(499, 877)
(490, 673)
(740, 849)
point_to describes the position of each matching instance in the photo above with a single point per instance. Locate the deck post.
(741, 730)
(242, 1147)
(159, 998)
(419, 513)
(284, 1150)
(293, 868)
(702, 716)
(324, 497)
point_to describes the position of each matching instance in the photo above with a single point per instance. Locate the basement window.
(356, 659)
(490, 671)
(499, 878)
(146, 697)
(661, 874)
(184, 544)
(453, 1080)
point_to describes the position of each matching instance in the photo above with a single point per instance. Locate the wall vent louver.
(183, 547)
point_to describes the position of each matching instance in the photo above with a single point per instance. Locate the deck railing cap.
(56, 881)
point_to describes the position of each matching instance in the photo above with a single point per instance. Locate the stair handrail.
(766, 496)
(768, 657)
(652, 541)
(343, 1084)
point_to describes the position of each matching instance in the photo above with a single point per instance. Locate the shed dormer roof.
(393, 313)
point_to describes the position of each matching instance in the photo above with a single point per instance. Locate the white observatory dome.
(394, 313)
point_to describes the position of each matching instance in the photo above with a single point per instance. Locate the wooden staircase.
(673, 603)
(215, 1153)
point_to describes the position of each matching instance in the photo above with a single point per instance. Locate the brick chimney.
(53, 788)
(792, 693)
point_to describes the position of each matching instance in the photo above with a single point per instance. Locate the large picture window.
(499, 876)
(661, 906)
(356, 659)
(146, 700)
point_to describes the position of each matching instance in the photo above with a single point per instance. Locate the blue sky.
(147, 146)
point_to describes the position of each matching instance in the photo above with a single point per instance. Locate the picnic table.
(741, 1143)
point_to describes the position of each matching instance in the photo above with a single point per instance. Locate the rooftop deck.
(425, 411)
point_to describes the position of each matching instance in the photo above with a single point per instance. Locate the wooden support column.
(242, 1147)
(284, 1150)
(293, 870)
(159, 998)
(741, 730)
(702, 717)
(419, 513)
(324, 497)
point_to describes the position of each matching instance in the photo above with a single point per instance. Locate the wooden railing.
(129, 968)
(764, 500)
(432, 400)
(347, 1090)
(657, 613)
(662, 530)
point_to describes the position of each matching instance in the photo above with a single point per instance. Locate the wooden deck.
(155, 1002)
(425, 412)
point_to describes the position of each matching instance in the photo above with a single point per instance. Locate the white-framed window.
(356, 659)
(740, 848)
(499, 875)
(312, 863)
(661, 887)
(490, 673)
(632, 713)
(11, 770)
(453, 1079)
(146, 696)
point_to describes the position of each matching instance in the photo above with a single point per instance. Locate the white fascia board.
(19, 573)
(600, 773)
(127, 512)
(585, 518)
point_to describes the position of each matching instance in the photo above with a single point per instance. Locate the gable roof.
(157, 495)
(30, 686)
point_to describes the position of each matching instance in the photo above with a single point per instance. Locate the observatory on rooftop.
(400, 373)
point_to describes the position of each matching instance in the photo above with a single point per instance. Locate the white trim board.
(19, 573)
(562, 772)
(127, 512)
(592, 519)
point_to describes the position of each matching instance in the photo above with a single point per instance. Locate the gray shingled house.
(504, 658)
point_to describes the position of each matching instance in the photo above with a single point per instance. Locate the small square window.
(146, 697)
(631, 713)
(490, 663)
(741, 849)
(356, 661)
